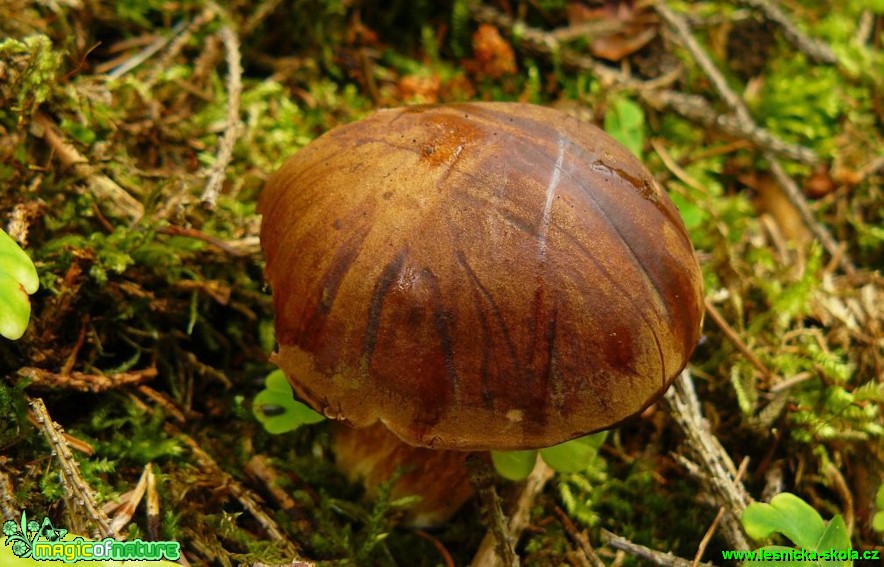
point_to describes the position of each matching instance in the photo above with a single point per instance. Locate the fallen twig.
(83, 382)
(446, 557)
(694, 108)
(652, 555)
(745, 121)
(126, 510)
(8, 503)
(240, 248)
(707, 537)
(80, 496)
(249, 500)
(234, 90)
(715, 465)
(149, 51)
(534, 484)
(178, 42)
(579, 538)
(482, 479)
(153, 504)
(837, 481)
(733, 337)
(815, 49)
(106, 190)
(259, 470)
(164, 401)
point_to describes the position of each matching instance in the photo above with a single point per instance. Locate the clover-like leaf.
(575, 455)
(514, 465)
(625, 122)
(276, 408)
(18, 279)
(788, 515)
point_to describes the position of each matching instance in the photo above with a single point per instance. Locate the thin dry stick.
(153, 505)
(716, 467)
(80, 494)
(259, 470)
(732, 336)
(74, 443)
(249, 500)
(707, 537)
(238, 248)
(259, 14)
(579, 538)
(8, 503)
(834, 476)
(85, 382)
(152, 49)
(179, 43)
(482, 478)
(692, 107)
(651, 555)
(163, 400)
(718, 81)
(815, 49)
(534, 484)
(234, 90)
(124, 513)
(745, 120)
(446, 557)
(106, 191)
(697, 109)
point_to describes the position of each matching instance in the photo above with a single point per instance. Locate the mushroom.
(474, 277)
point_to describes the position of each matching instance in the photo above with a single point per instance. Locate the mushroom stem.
(373, 454)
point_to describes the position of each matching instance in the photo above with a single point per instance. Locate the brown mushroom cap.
(477, 276)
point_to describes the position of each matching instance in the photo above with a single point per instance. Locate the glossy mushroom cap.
(477, 276)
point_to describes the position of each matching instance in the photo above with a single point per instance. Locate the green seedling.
(278, 411)
(878, 518)
(625, 122)
(18, 279)
(276, 408)
(571, 456)
(795, 519)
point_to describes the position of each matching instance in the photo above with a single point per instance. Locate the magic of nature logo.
(43, 541)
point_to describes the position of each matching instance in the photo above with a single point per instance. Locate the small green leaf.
(575, 455)
(17, 264)
(277, 382)
(692, 214)
(276, 408)
(514, 465)
(625, 122)
(878, 522)
(18, 279)
(788, 515)
(835, 537)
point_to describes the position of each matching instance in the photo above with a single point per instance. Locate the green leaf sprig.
(794, 518)
(571, 456)
(276, 408)
(18, 279)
